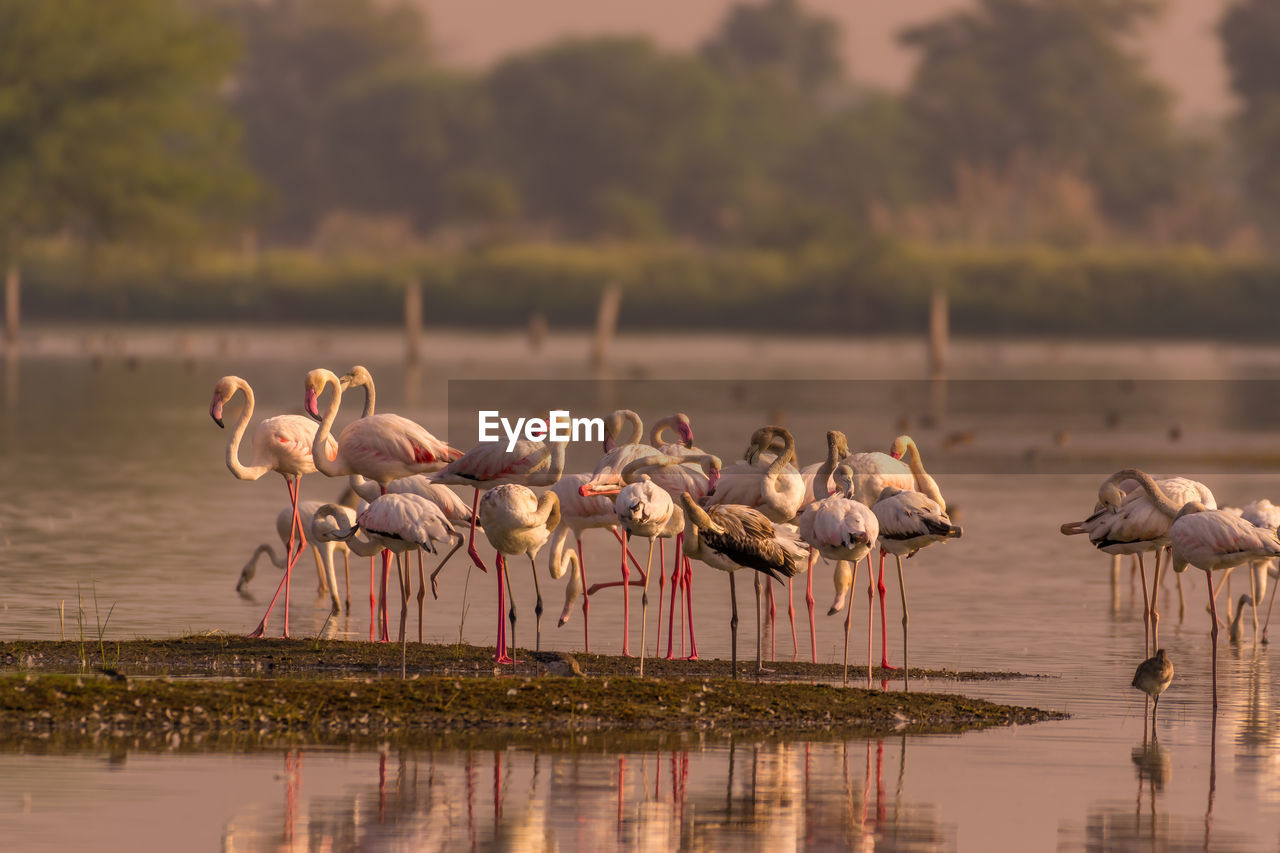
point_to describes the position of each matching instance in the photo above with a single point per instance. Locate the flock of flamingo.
(762, 513)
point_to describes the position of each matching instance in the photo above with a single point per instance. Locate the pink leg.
(791, 612)
(884, 632)
(677, 571)
(626, 601)
(662, 585)
(871, 619)
(626, 549)
(290, 559)
(386, 573)
(500, 652)
(627, 555)
(586, 599)
(373, 601)
(688, 603)
(808, 599)
(471, 540)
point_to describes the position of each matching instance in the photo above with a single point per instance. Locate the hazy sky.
(1183, 47)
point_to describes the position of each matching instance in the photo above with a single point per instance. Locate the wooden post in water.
(939, 334)
(606, 323)
(12, 303)
(413, 321)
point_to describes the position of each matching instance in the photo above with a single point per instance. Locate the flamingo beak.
(310, 404)
(896, 455)
(215, 411)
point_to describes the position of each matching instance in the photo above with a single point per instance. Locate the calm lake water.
(113, 494)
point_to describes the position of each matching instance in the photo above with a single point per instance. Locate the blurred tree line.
(1025, 121)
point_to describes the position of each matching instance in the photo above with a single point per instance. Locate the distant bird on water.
(1153, 677)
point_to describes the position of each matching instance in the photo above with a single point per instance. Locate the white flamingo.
(399, 523)
(487, 466)
(1137, 523)
(729, 537)
(838, 528)
(909, 521)
(516, 521)
(1212, 539)
(380, 447)
(281, 444)
(1262, 513)
(645, 509)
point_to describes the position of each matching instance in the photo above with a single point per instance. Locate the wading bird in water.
(516, 521)
(732, 537)
(1153, 677)
(380, 447)
(282, 444)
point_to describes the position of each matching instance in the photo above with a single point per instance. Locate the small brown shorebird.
(1154, 676)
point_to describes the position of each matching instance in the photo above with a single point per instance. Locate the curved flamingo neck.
(240, 471)
(821, 489)
(1158, 498)
(663, 425)
(925, 484)
(550, 475)
(370, 397)
(322, 462)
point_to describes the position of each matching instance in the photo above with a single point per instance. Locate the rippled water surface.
(116, 508)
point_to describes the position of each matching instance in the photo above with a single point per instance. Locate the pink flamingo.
(1212, 539)
(577, 515)
(487, 466)
(380, 447)
(281, 444)
(645, 509)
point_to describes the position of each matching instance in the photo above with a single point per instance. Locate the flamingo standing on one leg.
(1137, 522)
(729, 537)
(1212, 539)
(838, 528)
(489, 465)
(577, 515)
(280, 444)
(909, 521)
(380, 447)
(516, 521)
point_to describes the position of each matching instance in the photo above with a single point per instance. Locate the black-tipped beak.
(219, 422)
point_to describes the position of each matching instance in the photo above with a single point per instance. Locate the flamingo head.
(899, 446)
(713, 476)
(311, 392)
(221, 394)
(685, 429)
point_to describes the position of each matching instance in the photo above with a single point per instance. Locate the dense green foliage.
(869, 288)
(112, 122)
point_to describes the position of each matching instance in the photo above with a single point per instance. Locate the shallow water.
(113, 493)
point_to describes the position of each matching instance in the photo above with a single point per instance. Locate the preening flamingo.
(281, 444)
(838, 528)
(909, 521)
(645, 509)
(489, 465)
(1212, 539)
(729, 537)
(380, 447)
(1137, 523)
(516, 521)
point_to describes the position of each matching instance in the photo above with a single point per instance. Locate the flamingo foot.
(885, 665)
(259, 632)
(693, 656)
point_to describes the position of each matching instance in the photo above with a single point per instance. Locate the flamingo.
(696, 474)
(516, 521)
(909, 521)
(1212, 539)
(645, 509)
(1262, 513)
(841, 529)
(322, 550)
(455, 510)
(397, 523)
(577, 515)
(1138, 522)
(380, 447)
(771, 485)
(680, 425)
(280, 444)
(489, 465)
(729, 537)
